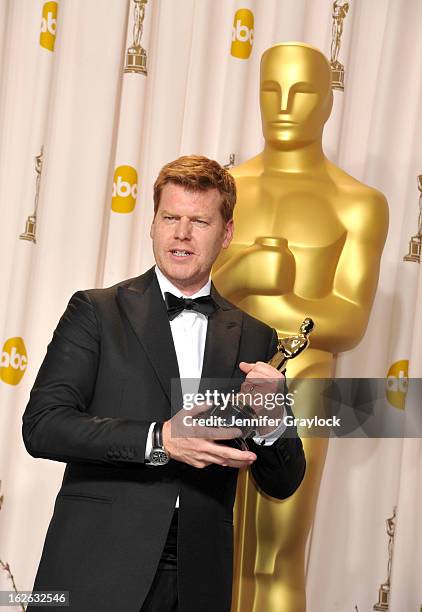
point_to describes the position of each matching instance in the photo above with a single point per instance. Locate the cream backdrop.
(104, 134)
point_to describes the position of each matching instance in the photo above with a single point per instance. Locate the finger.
(229, 453)
(196, 448)
(237, 464)
(245, 366)
(262, 371)
(266, 370)
(203, 455)
(217, 460)
(198, 464)
(225, 453)
(209, 459)
(233, 463)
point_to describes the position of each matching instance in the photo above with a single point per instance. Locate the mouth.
(283, 123)
(181, 253)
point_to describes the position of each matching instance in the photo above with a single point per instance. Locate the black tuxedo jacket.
(106, 376)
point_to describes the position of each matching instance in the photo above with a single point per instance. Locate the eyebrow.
(293, 84)
(197, 216)
(270, 82)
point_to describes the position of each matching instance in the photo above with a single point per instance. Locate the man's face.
(188, 232)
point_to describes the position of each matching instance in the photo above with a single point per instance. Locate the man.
(101, 403)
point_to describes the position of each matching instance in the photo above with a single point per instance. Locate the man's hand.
(262, 383)
(198, 451)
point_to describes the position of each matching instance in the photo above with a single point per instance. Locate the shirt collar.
(166, 285)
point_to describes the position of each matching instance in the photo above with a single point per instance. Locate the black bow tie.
(206, 305)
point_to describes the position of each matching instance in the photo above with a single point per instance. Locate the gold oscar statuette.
(31, 221)
(340, 10)
(30, 229)
(415, 243)
(231, 161)
(383, 602)
(308, 238)
(290, 347)
(136, 56)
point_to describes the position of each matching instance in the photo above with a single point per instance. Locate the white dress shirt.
(189, 330)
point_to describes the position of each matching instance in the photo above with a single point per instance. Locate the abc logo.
(397, 383)
(125, 189)
(48, 25)
(242, 34)
(13, 361)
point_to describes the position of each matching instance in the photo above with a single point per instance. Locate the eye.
(270, 86)
(200, 222)
(168, 217)
(303, 88)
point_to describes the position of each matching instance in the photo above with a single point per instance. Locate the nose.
(284, 100)
(182, 229)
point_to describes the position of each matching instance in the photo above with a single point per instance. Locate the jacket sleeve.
(280, 467)
(56, 423)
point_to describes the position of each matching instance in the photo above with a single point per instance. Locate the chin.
(283, 140)
(180, 275)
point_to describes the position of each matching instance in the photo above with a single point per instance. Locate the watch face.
(159, 456)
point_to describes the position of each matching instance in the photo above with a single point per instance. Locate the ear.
(152, 229)
(329, 105)
(228, 236)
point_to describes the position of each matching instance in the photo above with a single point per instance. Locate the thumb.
(246, 367)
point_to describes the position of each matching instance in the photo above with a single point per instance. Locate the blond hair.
(198, 173)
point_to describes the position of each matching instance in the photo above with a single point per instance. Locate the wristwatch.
(158, 454)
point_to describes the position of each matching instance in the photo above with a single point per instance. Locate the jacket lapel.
(222, 341)
(143, 304)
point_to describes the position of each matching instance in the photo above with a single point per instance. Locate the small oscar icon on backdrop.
(415, 243)
(136, 56)
(31, 221)
(340, 10)
(383, 602)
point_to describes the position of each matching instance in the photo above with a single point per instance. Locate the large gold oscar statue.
(308, 241)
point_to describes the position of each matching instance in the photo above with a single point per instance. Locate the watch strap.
(157, 435)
